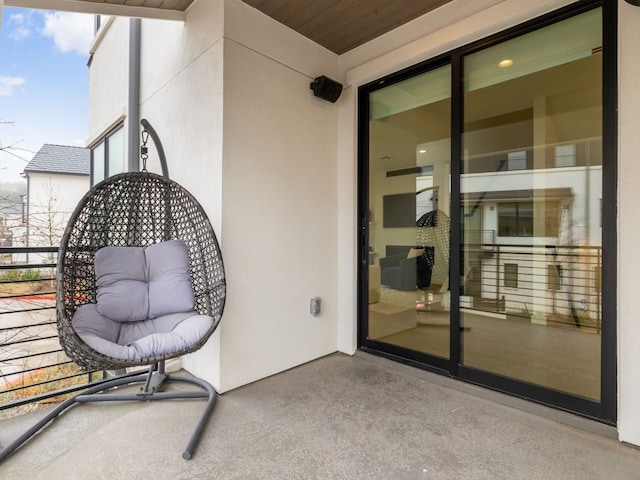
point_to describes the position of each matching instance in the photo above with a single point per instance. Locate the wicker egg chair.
(433, 229)
(136, 209)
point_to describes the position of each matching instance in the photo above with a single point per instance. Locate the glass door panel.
(531, 190)
(409, 209)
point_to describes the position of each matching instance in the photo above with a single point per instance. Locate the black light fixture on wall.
(634, 2)
(326, 88)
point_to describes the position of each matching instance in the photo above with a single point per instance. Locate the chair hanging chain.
(144, 150)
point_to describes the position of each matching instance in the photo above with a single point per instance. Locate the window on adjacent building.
(517, 160)
(516, 219)
(565, 155)
(107, 155)
(511, 275)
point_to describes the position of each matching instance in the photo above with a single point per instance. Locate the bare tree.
(575, 263)
(46, 220)
(11, 203)
(12, 148)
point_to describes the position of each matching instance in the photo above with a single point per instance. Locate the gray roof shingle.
(61, 159)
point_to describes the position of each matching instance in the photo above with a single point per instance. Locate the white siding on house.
(51, 201)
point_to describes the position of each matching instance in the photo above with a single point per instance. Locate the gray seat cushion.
(138, 340)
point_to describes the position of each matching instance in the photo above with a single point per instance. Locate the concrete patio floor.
(338, 417)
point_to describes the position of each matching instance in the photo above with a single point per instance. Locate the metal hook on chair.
(156, 141)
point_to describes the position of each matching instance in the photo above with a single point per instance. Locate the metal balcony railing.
(33, 368)
(561, 284)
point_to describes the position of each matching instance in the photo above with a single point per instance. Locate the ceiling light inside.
(507, 62)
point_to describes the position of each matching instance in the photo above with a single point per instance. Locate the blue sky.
(44, 82)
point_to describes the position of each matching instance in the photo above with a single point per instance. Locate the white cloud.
(18, 34)
(17, 17)
(7, 85)
(20, 26)
(71, 32)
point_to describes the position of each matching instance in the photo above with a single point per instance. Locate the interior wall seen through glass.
(409, 213)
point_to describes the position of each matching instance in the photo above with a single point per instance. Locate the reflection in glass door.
(486, 173)
(531, 191)
(409, 210)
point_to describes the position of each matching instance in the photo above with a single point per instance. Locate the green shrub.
(10, 276)
(31, 274)
(15, 275)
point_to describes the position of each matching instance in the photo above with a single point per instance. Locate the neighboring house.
(537, 158)
(13, 230)
(57, 178)
(567, 273)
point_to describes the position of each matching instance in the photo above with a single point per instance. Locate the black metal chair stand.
(152, 381)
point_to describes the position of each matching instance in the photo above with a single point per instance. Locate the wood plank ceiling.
(339, 25)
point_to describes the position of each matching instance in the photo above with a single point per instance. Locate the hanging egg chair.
(140, 280)
(134, 212)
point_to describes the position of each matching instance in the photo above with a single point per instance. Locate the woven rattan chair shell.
(434, 229)
(134, 209)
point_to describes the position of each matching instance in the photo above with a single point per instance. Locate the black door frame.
(604, 411)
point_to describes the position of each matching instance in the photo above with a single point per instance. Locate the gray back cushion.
(169, 277)
(121, 276)
(136, 283)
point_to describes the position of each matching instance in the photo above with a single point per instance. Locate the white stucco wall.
(279, 199)
(628, 223)
(182, 97)
(108, 77)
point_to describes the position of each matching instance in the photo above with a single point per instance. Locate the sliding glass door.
(482, 197)
(531, 191)
(409, 213)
